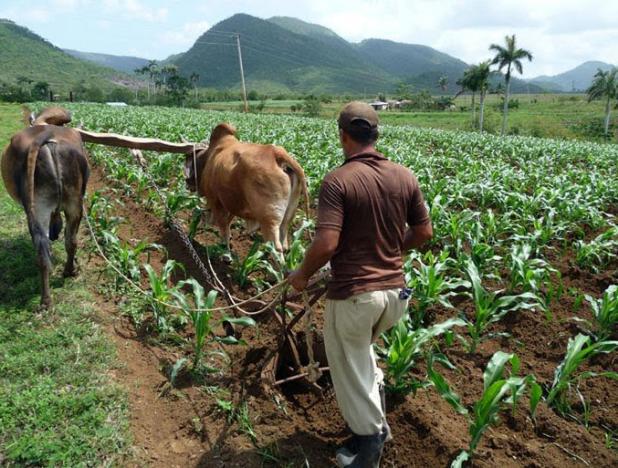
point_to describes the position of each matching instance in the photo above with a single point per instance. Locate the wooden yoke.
(152, 144)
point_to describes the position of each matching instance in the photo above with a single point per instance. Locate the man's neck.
(353, 150)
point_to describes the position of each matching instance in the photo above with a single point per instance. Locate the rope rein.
(168, 304)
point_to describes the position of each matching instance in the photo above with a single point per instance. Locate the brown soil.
(298, 427)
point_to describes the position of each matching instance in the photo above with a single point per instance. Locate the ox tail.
(38, 232)
(291, 167)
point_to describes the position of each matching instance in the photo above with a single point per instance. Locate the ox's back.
(239, 174)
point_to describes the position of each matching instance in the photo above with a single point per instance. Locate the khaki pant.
(350, 328)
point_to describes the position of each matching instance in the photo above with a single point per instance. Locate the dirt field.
(186, 426)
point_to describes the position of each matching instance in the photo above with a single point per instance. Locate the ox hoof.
(226, 258)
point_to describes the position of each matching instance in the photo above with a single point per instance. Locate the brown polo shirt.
(369, 199)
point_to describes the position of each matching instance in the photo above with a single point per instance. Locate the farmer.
(363, 208)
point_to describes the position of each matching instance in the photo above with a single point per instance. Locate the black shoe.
(368, 455)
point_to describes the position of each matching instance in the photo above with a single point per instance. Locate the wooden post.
(71, 96)
(242, 74)
(51, 96)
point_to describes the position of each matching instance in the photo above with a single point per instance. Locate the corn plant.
(429, 283)
(498, 391)
(162, 292)
(531, 275)
(489, 307)
(201, 317)
(253, 261)
(404, 347)
(598, 252)
(127, 258)
(579, 349)
(605, 312)
(99, 212)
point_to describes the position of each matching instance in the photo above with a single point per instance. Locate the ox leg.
(270, 231)
(39, 229)
(73, 213)
(223, 220)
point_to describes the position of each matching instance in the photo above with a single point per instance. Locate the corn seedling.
(598, 252)
(163, 292)
(579, 349)
(498, 391)
(489, 307)
(253, 261)
(201, 317)
(404, 347)
(605, 312)
(429, 283)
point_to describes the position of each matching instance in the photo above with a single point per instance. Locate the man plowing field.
(363, 209)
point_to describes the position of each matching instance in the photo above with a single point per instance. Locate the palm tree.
(468, 82)
(194, 78)
(443, 83)
(481, 76)
(509, 57)
(605, 84)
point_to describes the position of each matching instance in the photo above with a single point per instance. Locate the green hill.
(125, 64)
(577, 79)
(416, 64)
(301, 27)
(26, 56)
(272, 53)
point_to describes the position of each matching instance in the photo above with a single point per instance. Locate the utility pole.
(242, 74)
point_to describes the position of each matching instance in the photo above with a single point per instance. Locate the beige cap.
(357, 112)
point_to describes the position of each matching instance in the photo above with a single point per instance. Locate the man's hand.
(298, 280)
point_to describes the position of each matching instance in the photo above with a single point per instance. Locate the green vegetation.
(498, 391)
(485, 195)
(605, 86)
(27, 59)
(579, 349)
(58, 405)
(508, 57)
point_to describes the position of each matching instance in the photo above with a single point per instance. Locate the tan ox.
(45, 169)
(259, 183)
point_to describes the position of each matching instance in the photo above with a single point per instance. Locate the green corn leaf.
(495, 368)
(242, 321)
(445, 391)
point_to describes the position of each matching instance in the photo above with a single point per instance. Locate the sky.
(561, 34)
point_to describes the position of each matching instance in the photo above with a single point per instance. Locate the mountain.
(125, 64)
(27, 56)
(577, 79)
(416, 64)
(278, 58)
(301, 27)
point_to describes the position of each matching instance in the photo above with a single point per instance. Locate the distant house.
(117, 104)
(379, 105)
(394, 105)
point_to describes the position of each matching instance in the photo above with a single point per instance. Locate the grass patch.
(58, 402)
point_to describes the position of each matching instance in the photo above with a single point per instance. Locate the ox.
(259, 183)
(45, 169)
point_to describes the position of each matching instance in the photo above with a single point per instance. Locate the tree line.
(510, 58)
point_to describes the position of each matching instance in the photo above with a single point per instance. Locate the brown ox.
(259, 183)
(45, 169)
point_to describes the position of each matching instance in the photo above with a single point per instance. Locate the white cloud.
(187, 35)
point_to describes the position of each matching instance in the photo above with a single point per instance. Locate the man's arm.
(416, 236)
(320, 251)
